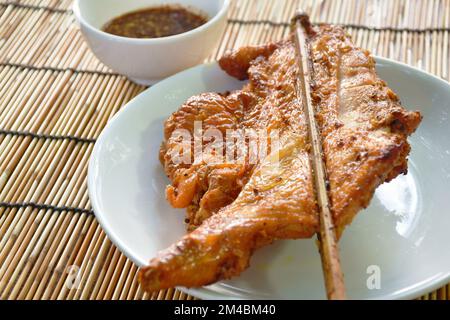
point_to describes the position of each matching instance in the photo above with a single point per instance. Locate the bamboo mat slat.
(56, 97)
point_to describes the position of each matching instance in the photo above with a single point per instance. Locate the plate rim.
(205, 292)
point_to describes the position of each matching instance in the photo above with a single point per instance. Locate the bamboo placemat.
(56, 97)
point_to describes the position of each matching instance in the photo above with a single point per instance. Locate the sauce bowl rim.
(78, 15)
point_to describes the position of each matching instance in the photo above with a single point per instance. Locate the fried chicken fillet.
(233, 209)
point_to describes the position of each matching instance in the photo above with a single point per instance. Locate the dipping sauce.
(155, 22)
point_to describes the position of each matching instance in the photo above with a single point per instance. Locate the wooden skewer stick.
(329, 251)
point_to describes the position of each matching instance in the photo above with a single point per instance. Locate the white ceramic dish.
(146, 61)
(405, 231)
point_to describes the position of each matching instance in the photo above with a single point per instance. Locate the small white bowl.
(146, 61)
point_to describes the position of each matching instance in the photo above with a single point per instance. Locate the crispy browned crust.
(364, 127)
(273, 204)
(203, 187)
(364, 130)
(236, 63)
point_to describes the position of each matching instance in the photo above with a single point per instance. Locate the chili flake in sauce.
(155, 22)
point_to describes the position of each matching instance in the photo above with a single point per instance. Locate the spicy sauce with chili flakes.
(155, 22)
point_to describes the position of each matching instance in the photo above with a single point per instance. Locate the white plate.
(405, 233)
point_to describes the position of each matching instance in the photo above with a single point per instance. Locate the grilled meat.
(237, 208)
